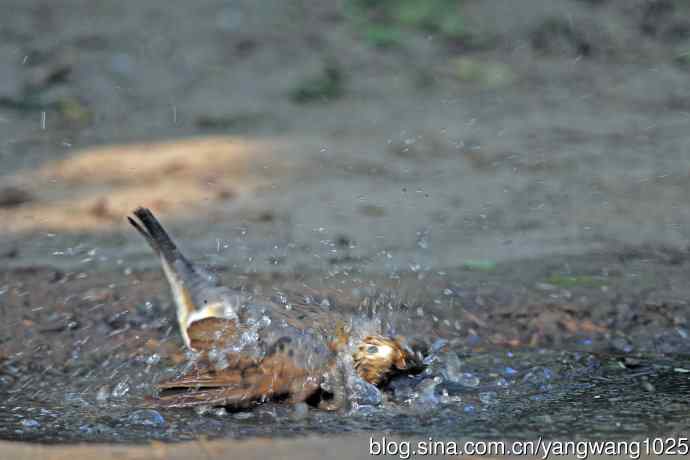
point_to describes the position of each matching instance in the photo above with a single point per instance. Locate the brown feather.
(274, 376)
(208, 333)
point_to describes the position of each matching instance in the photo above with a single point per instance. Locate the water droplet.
(489, 397)
(153, 359)
(75, 398)
(218, 358)
(424, 238)
(438, 345)
(501, 382)
(364, 394)
(538, 375)
(427, 391)
(121, 389)
(202, 410)
(103, 393)
(453, 369)
(300, 411)
(468, 379)
(281, 298)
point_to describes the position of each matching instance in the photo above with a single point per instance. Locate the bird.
(251, 349)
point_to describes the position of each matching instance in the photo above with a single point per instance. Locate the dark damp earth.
(592, 346)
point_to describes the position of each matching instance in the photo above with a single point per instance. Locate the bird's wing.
(279, 374)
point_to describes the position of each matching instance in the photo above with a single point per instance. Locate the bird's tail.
(178, 270)
(153, 232)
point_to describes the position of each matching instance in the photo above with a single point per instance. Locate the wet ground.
(517, 183)
(558, 349)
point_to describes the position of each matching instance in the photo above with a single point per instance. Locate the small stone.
(146, 417)
(30, 423)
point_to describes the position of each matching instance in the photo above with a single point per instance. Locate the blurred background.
(393, 134)
(511, 174)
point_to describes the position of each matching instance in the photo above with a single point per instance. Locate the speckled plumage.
(252, 349)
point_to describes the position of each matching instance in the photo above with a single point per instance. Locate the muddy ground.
(523, 167)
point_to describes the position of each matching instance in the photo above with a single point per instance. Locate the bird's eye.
(372, 350)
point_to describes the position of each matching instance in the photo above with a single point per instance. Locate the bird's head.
(376, 358)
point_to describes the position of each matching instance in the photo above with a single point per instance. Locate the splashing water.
(576, 392)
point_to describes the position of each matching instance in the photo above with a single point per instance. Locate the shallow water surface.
(487, 395)
(509, 356)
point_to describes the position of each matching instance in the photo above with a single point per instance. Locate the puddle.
(519, 394)
(78, 356)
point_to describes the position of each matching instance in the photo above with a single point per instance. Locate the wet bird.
(252, 349)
